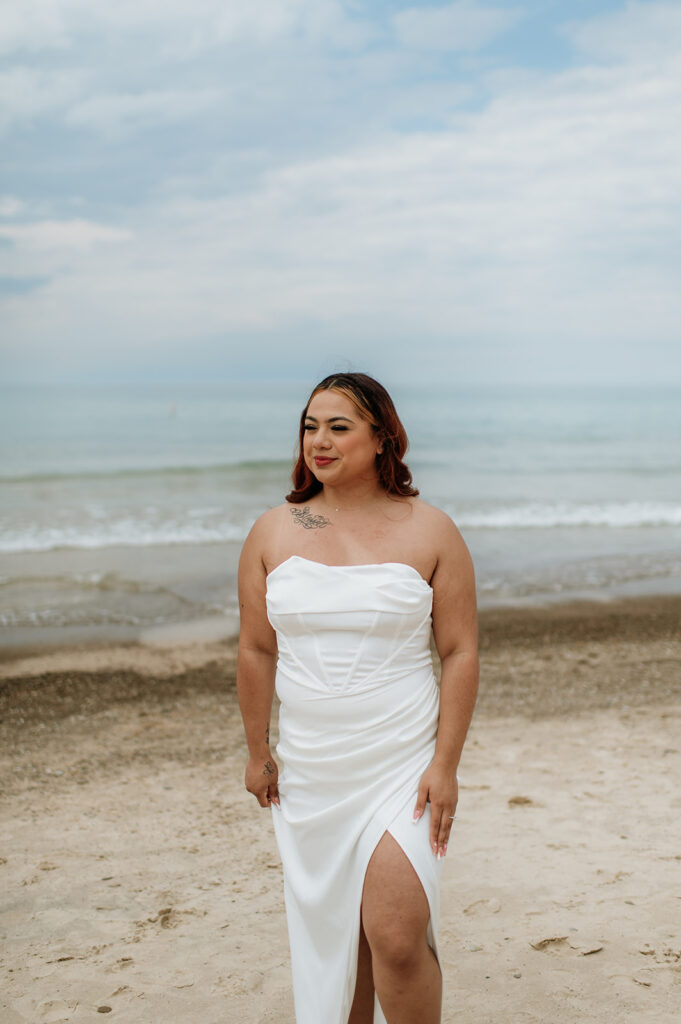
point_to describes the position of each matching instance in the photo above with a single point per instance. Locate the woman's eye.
(308, 426)
(339, 428)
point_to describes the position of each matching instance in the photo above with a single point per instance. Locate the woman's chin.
(321, 473)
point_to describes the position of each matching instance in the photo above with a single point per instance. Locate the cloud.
(641, 32)
(11, 206)
(116, 69)
(536, 228)
(32, 25)
(20, 285)
(36, 25)
(61, 235)
(463, 25)
(113, 114)
(32, 93)
(549, 214)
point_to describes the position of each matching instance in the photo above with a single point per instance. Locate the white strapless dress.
(357, 727)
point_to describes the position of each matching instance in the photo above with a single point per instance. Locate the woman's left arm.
(455, 630)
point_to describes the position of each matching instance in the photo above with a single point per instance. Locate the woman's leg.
(362, 1011)
(395, 915)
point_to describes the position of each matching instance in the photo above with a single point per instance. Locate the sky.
(461, 192)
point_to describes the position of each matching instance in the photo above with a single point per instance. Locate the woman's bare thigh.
(395, 909)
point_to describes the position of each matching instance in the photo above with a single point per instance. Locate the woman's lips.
(321, 460)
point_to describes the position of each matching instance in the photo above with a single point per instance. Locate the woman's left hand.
(439, 787)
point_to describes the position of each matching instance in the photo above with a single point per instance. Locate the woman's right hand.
(262, 779)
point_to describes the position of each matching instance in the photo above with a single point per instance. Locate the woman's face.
(339, 445)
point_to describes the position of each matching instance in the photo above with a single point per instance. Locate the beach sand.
(141, 880)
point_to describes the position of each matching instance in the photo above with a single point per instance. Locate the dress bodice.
(344, 628)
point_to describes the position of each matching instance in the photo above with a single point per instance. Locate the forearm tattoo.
(267, 735)
(307, 520)
(268, 769)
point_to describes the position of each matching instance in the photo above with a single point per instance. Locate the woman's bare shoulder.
(443, 533)
(266, 525)
(266, 521)
(433, 517)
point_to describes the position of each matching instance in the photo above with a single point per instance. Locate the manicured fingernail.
(444, 850)
(439, 854)
(417, 815)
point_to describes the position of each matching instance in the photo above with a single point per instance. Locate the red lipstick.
(321, 460)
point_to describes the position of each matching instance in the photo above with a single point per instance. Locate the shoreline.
(182, 593)
(644, 616)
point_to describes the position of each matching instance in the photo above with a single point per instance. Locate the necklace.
(350, 508)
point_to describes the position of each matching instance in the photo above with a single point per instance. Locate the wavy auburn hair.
(375, 405)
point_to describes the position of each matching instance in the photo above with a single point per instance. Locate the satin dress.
(357, 728)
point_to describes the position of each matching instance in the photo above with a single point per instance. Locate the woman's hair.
(375, 405)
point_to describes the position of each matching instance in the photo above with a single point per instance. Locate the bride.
(339, 590)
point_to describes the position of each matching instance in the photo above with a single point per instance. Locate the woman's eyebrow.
(332, 419)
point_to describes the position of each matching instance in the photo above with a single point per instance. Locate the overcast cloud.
(465, 189)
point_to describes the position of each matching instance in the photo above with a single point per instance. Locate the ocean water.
(123, 507)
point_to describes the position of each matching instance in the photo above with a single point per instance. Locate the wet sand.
(139, 875)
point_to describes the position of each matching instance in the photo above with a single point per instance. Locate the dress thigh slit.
(406, 834)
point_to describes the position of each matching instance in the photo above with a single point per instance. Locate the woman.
(338, 590)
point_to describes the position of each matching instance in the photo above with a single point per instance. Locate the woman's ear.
(382, 444)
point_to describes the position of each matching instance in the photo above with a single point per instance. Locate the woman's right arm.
(256, 667)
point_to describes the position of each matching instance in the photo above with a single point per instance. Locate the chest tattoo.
(307, 520)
